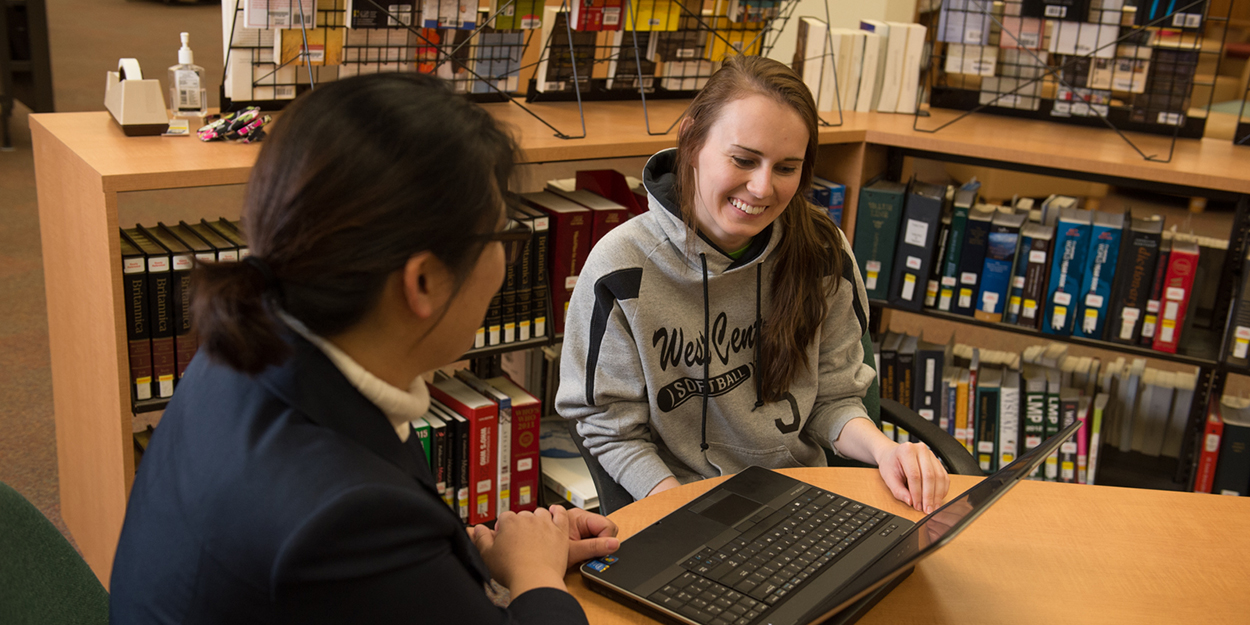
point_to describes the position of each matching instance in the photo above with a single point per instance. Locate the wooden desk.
(1046, 553)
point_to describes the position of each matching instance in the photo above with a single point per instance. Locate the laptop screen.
(940, 527)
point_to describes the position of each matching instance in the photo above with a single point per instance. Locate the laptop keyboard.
(778, 551)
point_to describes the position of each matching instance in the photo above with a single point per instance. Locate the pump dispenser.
(187, 96)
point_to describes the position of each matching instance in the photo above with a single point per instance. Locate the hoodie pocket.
(729, 459)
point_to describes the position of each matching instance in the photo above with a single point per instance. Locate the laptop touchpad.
(727, 510)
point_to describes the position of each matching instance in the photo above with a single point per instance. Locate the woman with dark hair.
(723, 328)
(283, 483)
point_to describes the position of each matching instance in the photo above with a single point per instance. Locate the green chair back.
(42, 578)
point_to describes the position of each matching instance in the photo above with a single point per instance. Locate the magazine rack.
(1083, 62)
(577, 51)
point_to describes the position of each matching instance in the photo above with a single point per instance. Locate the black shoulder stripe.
(848, 274)
(619, 285)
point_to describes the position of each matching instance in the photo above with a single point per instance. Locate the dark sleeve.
(390, 555)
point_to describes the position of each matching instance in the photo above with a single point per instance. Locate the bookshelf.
(83, 164)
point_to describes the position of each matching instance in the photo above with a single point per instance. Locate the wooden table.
(1046, 553)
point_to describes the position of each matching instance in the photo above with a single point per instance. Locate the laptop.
(763, 548)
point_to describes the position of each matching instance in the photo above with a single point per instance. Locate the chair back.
(42, 577)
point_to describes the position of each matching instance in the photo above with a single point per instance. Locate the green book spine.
(950, 266)
(987, 427)
(421, 429)
(876, 232)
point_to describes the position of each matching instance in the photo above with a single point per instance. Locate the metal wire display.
(1148, 68)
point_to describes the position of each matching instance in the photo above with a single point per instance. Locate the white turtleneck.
(400, 407)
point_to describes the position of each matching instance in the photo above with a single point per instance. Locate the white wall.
(841, 14)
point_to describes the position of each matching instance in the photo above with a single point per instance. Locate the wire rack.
(577, 50)
(1106, 63)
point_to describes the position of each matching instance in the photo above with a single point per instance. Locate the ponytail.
(233, 310)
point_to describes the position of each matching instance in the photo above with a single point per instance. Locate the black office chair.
(952, 453)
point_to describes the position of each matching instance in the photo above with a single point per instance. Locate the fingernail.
(613, 544)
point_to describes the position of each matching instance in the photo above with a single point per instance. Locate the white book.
(896, 50)
(843, 55)
(882, 30)
(856, 70)
(869, 71)
(1128, 403)
(910, 85)
(813, 53)
(828, 100)
(570, 478)
(1182, 403)
(1008, 418)
(1101, 403)
(1157, 408)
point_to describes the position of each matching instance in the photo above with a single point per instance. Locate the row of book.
(480, 437)
(1058, 269)
(874, 68)
(156, 288)
(1001, 404)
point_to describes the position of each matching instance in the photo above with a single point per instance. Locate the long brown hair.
(358, 175)
(810, 248)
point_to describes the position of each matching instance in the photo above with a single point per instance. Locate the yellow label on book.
(523, 497)
(169, 377)
(143, 380)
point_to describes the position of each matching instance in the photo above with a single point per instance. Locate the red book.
(481, 414)
(596, 14)
(607, 213)
(527, 410)
(611, 184)
(138, 326)
(1177, 287)
(569, 246)
(1204, 477)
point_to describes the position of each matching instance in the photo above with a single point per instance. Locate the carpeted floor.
(87, 37)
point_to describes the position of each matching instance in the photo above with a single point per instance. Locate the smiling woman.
(722, 329)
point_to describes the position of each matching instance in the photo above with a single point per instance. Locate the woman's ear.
(424, 280)
(685, 124)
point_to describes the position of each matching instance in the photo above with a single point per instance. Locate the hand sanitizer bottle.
(187, 96)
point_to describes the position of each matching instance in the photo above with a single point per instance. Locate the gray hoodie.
(634, 372)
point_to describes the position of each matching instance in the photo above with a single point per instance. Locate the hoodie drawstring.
(707, 349)
(759, 401)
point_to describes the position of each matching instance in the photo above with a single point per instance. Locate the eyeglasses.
(514, 239)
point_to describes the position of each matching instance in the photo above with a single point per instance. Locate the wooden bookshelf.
(83, 161)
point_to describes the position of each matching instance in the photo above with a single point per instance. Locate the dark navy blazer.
(287, 498)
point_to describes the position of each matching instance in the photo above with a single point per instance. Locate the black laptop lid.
(936, 530)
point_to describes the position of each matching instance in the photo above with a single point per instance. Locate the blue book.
(1000, 257)
(972, 259)
(1099, 271)
(1066, 269)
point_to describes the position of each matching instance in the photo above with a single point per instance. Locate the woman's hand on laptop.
(590, 535)
(914, 475)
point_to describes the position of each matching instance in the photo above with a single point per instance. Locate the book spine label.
(1096, 292)
(1133, 283)
(508, 308)
(1204, 476)
(525, 477)
(1150, 318)
(1015, 291)
(1035, 280)
(875, 237)
(186, 340)
(1034, 424)
(138, 326)
(1008, 425)
(1179, 284)
(1052, 428)
(525, 291)
(161, 306)
(987, 429)
(1068, 450)
(1000, 255)
(541, 295)
(503, 459)
(976, 242)
(1071, 245)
